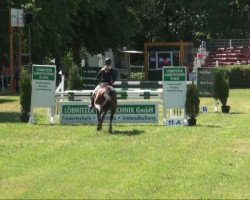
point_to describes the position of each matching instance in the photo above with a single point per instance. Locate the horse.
(105, 100)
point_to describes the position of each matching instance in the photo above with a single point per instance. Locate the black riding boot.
(91, 105)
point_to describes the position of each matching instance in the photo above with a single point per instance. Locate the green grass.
(208, 161)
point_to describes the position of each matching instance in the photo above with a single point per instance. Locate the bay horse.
(105, 100)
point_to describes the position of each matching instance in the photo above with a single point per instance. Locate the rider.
(106, 76)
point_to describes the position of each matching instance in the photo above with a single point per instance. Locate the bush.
(68, 62)
(239, 76)
(192, 104)
(75, 81)
(137, 76)
(221, 86)
(25, 94)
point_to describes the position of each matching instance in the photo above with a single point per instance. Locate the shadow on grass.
(210, 126)
(236, 113)
(129, 133)
(9, 117)
(6, 100)
(230, 113)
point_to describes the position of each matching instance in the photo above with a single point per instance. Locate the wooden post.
(11, 53)
(20, 47)
(182, 53)
(146, 61)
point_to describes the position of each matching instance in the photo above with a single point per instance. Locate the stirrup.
(90, 106)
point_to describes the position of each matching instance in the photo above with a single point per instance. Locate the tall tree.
(4, 36)
(102, 24)
(52, 19)
(60, 26)
(173, 20)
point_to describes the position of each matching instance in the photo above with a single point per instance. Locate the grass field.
(208, 161)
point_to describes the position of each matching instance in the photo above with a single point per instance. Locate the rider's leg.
(92, 98)
(91, 105)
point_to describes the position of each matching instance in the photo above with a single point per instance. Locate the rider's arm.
(113, 76)
(99, 75)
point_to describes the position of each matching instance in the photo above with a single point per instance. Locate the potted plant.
(221, 89)
(25, 95)
(192, 104)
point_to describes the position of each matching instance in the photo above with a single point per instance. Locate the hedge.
(239, 75)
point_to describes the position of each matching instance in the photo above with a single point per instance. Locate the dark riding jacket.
(106, 76)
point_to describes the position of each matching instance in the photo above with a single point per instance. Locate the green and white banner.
(71, 112)
(205, 81)
(43, 85)
(174, 87)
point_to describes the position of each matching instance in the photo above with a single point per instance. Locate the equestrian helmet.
(107, 61)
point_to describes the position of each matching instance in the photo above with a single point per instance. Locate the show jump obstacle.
(135, 105)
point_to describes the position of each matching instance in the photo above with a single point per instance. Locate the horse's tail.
(110, 96)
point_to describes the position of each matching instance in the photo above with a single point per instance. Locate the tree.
(4, 37)
(223, 19)
(100, 25)
(61, 26)
(51, 28)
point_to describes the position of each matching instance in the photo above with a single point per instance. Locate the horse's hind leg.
(112, 110)
(100, 119)
(99, 122)
(99, 126)
(110, 121)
